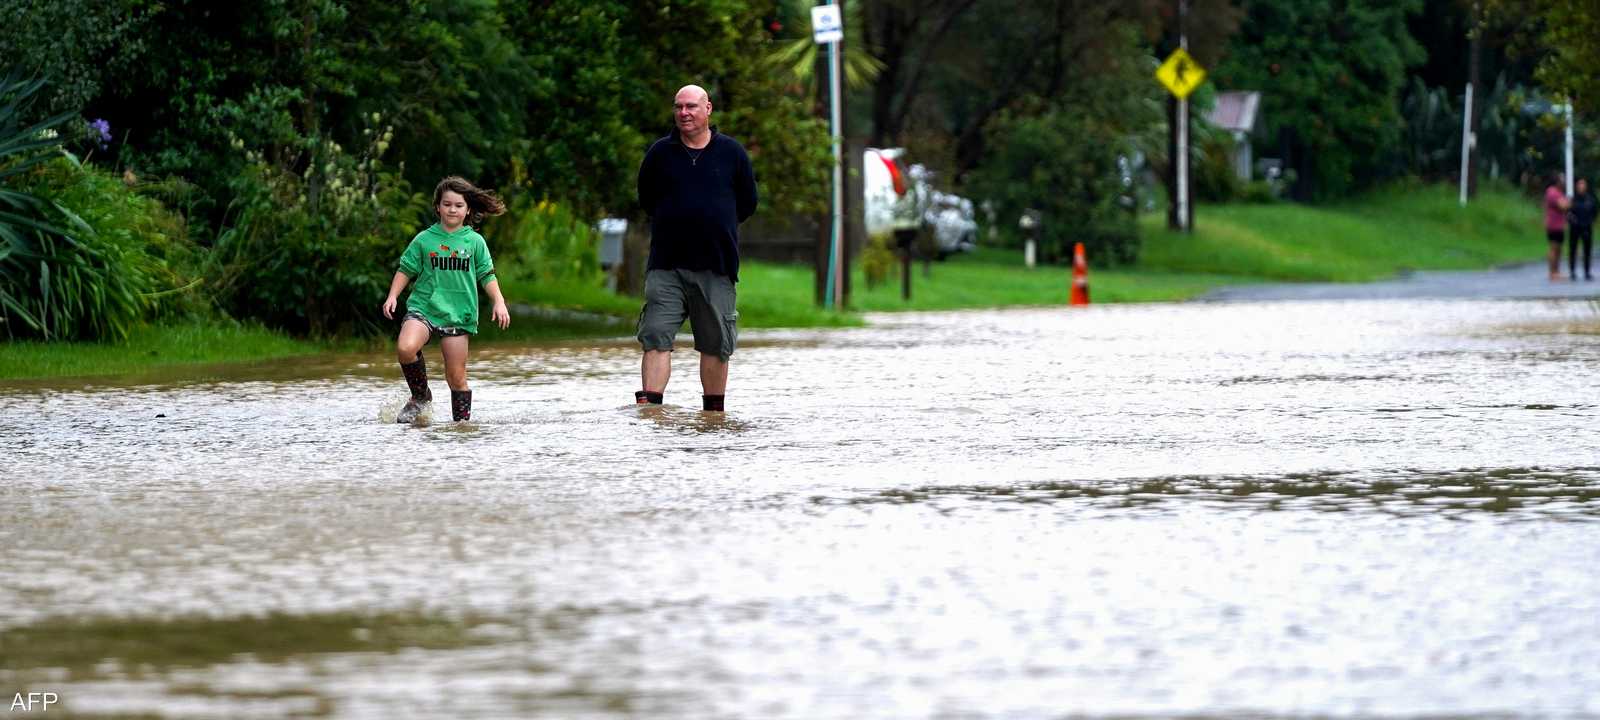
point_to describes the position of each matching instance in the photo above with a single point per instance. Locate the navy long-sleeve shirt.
(1583, 209)
(696, 200)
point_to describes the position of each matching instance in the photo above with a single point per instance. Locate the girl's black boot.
(416, 373)
(460, 405)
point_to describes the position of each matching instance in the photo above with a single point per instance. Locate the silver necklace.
(694, 157)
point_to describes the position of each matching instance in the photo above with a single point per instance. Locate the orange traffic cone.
(1080, 277)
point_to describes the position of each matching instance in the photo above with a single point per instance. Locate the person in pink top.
(1555, 221)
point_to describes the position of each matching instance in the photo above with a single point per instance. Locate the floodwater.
(1329, 509)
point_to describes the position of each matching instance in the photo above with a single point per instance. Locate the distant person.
(1580, 224)
(449, 260)
(1555, 222)
(697, 185)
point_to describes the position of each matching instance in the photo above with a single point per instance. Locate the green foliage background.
(295, 141)
(253, 105)
(1330, 72)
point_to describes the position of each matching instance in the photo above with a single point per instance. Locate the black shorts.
(434, 331)
(1556, 236)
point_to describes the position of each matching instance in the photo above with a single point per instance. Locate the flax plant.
(52, 285)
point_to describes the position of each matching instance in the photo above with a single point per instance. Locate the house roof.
(1235, 110)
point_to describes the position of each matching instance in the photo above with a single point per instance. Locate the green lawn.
(1405, 227)
(153, 346)
(991, 277)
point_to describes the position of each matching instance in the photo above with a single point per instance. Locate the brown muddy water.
(1343, 509)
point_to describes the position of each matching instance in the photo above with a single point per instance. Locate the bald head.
(691, 111)
(693, 92)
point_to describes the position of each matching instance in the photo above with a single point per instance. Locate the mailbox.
(612, 231)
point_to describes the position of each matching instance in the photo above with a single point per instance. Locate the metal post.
(1569, 148)
(838, 176)
(1183, 127)
(1183, 164)
(1466, 144)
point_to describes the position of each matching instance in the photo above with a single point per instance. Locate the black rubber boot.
(460, 405)
(645, 397)
(712, 403)
(416, 374)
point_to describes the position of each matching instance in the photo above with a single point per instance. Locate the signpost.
(827, 28)
(826, 24)
(1181, 75)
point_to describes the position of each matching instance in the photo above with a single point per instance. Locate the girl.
(449, 261)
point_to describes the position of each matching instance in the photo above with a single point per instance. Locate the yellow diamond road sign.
(1180, 73)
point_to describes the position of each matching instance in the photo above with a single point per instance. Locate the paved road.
(1516, 282)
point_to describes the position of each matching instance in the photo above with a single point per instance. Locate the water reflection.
(1529, 493)
(690, 421)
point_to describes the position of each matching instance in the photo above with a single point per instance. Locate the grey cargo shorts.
(706, 298)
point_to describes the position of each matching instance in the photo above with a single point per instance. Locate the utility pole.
(1474, 82)
(1466, 146)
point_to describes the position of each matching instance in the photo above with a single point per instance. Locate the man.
(1580, 229)
(697, 185)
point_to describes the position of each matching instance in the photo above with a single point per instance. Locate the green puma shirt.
(447, 268)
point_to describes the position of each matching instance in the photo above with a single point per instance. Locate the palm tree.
(798, 56)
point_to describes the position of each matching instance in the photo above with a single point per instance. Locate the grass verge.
(154, 346)
(992, 277)
(1404, 227)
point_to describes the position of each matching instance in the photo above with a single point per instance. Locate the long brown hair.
(480, 203)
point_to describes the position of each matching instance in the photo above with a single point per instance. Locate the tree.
(798, 55)
(287, 77)
(1564, 37)
(1330, 75)
(1069, 158)
(788, 145)
(905, 36)
(76, 43)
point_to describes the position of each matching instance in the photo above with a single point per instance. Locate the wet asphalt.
(1523, 281)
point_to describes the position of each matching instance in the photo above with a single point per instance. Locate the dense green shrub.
(1064, 164)
(313, 252)
(545, 241)
(1258, 191)
(122, 259)
(1213, 175)
(1330, 76)
(558, 99)
(78, 43)
(878, 260)
(146, 246)
(59, 277)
